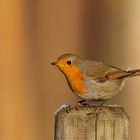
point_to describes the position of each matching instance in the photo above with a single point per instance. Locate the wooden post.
(112, 123)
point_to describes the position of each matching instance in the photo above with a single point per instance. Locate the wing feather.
(101, 73)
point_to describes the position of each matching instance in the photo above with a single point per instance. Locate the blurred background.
(35, 33)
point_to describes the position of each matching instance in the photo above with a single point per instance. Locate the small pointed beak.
(53, 63)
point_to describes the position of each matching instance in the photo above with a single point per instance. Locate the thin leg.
(76, 105)
(81, 101)
(98, 109)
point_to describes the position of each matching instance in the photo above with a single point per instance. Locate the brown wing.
(116, 74)
(102, 73)
(122, 74)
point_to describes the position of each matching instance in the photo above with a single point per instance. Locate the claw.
(96, 112)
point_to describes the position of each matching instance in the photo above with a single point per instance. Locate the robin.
(92, 80)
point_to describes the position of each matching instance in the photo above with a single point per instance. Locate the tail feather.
(134, 73)
(122, 74)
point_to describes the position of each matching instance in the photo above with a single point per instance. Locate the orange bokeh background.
(35, 33)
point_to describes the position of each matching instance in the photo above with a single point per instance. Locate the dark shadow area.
(102, 27)
(95, 28)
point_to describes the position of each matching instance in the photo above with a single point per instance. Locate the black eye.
(68, 62)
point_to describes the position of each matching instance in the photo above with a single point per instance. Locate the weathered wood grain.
(112, 123)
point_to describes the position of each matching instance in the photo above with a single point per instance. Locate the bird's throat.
(76, 80)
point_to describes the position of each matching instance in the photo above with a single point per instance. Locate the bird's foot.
(83, 102)
(96, 112)
(76, 105)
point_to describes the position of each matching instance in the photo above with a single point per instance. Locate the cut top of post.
(111, 123)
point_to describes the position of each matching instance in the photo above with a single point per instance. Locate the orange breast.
(76, 80)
